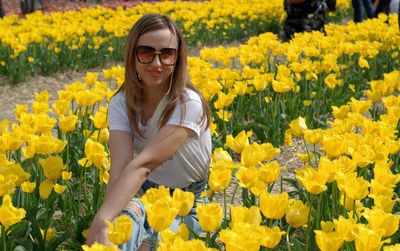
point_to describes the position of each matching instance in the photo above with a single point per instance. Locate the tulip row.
(277, 82)
(45, 43)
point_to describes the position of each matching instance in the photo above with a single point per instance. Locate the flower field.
(337, 93)
(45, 43)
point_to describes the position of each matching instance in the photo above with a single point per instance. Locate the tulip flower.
(183, 201)
(68, 124)
(160, 214)
(45, 189)
(247, 177)
(238, 143)
(379, 220)
(240, 214)
(328, 241)
(210, 216)
(269, 172)
(297, 213)
(219, 179)
(52, 166)
(367, 239)
(313, 181)
(9, 215)
(344, 227)
(99, 247)
(271, 237)
(120, 230)
(274, 206)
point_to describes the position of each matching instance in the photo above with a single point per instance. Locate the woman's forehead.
(158, 39)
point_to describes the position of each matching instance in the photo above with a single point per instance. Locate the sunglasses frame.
(159, 53)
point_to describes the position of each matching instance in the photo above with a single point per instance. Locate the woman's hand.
(98, 232)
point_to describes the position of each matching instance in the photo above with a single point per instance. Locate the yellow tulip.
(68, 124)
(355, 188)
(9, 215)
(169, 236)
(224, 100)
(274, 206)
(95, 153)
(297, 213)
(28, 187)
(313, 136)
(269, 151)
(240, 241)
(220, 154)
(359, 106)
(45, 189)
(99, 247)
(66, 175)
(247, 177)
(298, 126)
(238, 143)
(52, 167)
(344, 227)
(210, 216)
(160, 214)
(367, 239)
(328, 241)
(240, 214)
(271, 237)
(91, 78)
(252, 155)
(379, 220)
(340, 113)
(48, 234)
(331, 82)
(153, 195)
(395, 247)
(363, 63)
(7, 184)
(313, 181)
(219, 179)
(43, 123)
(183, 201)
(120, 230)
(59, 188)
(386, 203)
(61, 106)
(269, 172)
(100, 118)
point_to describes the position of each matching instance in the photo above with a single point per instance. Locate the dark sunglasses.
(146, 55)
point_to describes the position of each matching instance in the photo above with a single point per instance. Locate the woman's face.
(156, 53)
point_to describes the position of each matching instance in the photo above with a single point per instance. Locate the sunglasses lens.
(145, 54)
(168, 56)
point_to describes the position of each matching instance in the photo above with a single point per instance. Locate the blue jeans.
(358, 9)
(140, 228)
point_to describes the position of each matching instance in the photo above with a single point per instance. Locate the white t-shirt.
(191, 162)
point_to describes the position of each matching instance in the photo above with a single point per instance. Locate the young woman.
(158, 115)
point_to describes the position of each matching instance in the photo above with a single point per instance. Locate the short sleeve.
(117, 114)
(192, 116)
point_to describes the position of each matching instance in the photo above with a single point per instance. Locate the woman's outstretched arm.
(130, 179)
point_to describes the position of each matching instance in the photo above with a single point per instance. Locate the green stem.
(156, 242)
(288, 238)
(234, 193)
(225, 205)
(3, 237)
(208, 238)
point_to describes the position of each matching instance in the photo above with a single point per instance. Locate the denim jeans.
(358, 9)
(141, 229)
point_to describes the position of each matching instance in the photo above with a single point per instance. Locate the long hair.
(179, 79)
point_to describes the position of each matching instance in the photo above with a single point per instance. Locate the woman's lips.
(155, 73)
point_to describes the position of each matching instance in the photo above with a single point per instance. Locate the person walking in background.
(358, 9)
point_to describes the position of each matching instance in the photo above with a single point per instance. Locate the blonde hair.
(179, 79)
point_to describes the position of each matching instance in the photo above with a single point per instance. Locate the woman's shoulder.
(191, 95)
(118, 98)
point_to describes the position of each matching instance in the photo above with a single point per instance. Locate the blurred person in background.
(1, 9)
(305, 15)
(358, 9)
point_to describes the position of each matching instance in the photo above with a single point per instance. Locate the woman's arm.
(121, 153)
(127, 184)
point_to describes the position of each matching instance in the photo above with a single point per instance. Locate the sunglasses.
(146, 55)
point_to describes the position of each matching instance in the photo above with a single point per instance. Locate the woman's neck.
(153, 97)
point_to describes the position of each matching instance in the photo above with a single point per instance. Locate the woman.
(161, 117)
